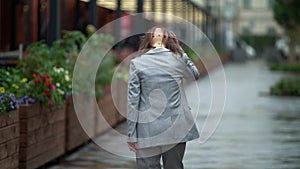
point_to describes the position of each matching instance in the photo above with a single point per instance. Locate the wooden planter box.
(224, 58)
(75, 134)
(109, 112)
(9, 140)
(42, 134)
(119, 95)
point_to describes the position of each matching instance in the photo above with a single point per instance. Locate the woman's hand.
(132, 146)
(173, 36)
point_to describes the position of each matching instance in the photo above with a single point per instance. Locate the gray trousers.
(172, 155)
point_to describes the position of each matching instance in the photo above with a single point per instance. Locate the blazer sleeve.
(133, 99)
(191, 68)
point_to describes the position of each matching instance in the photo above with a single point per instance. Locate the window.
(246, 31)
(271, 31)
(246, 4)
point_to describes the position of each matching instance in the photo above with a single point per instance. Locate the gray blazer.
(157, 110)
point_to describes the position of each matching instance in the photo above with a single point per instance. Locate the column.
(13, 25)
(140, 5)
(54, 31)
(93, 19)
(117, 27)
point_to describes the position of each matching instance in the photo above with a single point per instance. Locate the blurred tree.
(287, 14)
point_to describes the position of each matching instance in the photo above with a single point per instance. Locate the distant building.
(246, 17)
(256, 17)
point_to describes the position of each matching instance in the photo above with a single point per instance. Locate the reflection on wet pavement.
(256, 131)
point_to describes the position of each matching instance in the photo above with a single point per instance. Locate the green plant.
(49, 88)
(40, 68)
(286, 86)
(45, 90)
(62, 80)
(37, 60)
(286, 13)
(13, 82)
(63, 53)
(8, 102)
(104, 73)
(50, 68)
(94, 50)
(67, 49)
(285, 66)
(259, 42)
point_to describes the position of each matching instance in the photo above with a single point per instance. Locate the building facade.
(27, 21)
(256, 17)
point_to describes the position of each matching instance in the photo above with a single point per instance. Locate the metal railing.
(11, 57)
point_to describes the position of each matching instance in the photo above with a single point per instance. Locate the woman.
(158, 116)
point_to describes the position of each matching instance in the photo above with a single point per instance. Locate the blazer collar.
(157, 50)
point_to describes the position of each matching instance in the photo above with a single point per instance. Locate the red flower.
(36, 81)
(47, 93)
(53, 87)
(47, 80)
(45, 77)
(35, 75)
(51, 102)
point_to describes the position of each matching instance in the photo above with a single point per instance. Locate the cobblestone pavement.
(256, 130)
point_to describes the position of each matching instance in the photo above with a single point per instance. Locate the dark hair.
(146, 41)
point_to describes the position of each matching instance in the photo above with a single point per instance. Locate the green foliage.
(12, 81)
(67, 49)
(286, 87)
(45, 73)
(49, 68)
(286, 13)
(259, 42)
(285, 66)
(63, 53)
(47, 88)
(8, 102)
(105, 71)
(95, 50)
(37, 59)
(99, 42)
(46, 91)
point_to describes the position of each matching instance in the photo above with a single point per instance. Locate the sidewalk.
(91, 156)
(256, 131)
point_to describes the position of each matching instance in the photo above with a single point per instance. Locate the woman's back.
(162, 99)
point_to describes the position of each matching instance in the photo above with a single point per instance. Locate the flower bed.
(40, 82)
(42, 134)
(9, 140)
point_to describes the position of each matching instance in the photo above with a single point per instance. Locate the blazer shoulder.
(134, 60)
